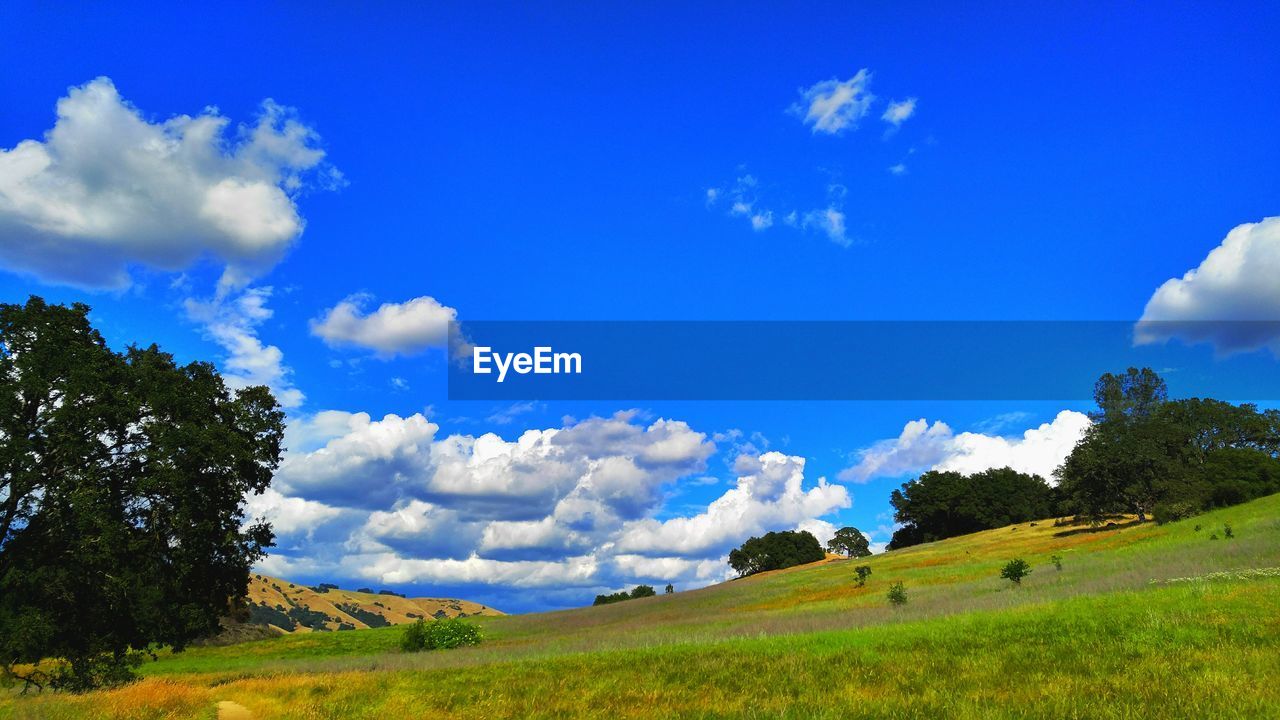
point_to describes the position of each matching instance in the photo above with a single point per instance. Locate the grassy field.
(1120, 631)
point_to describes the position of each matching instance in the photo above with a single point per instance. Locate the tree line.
(1143, 454)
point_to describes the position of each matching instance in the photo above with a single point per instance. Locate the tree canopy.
(1146, 454)
(122, 480)
(848, 541)
(776, 550)
(943, 504)
(638, 591)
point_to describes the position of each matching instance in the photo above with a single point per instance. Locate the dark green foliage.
(776, 550)
(264, 615)
(372, 619)
(1172, 459)
(938, 505)
(368, 591)
(1227, 531)
(848, 541)
(1015, 570)
(864, 572)
(897, 594)
(391, 592)
(439, 635)
(638, 592)
(122, 481)
(670, 588)
(1057, 561)
(306, 617)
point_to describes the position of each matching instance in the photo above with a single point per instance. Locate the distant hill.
(290, 607)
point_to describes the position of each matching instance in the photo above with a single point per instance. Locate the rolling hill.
(1139, 620)
(294, 608)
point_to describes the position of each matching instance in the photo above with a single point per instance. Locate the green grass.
(1103, 637)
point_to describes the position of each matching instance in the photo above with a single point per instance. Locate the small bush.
(1057, 561)
(864, 572)
(1171, 511)
(1227, 532)
(1015, 570)
(898, 594)
(443, 634)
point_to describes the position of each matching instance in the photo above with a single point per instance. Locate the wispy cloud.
(834, 106)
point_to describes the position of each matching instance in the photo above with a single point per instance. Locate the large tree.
(943, 504)
(776, 550)
(122, 482)
(848, 541)
(1146, 454)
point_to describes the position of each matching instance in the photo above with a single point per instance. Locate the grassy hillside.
(290, 607)
(1128, 627)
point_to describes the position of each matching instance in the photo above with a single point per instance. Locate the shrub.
(1171, 511)
(864, 572)
(1057, 561)
(443, 634)
(898, 594)
(1015, 570)
(1227, 532)
(670, 588)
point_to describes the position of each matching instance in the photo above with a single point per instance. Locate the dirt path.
(228, 710)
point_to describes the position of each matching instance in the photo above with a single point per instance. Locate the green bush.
(1015, 570)
(864, 572)
(443, 634)
(1057, 561)
(898, 594)
(1171, 511)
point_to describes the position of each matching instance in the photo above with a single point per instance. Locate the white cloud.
(566, 507)
(899, 111)
(830, 221)
(762, 221)
(393, 329)
(1236, 282)
(289, 515)
(106, 188)
(899, 169)
(232, 322)
(833, 106)
(772, 499)
(922, 446)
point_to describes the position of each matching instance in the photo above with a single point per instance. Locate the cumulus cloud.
(922, 446)
(570, 506)
(232, 322)
(899, 111)
(773, 498)
(289, 515)
(106, 188)
(393, 329)
(1231, 300)
(833, 106)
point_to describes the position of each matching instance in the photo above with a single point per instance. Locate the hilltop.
(294, 608)
(1141, 620)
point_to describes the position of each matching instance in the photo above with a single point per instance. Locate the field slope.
(296, 608)
(1142, 620)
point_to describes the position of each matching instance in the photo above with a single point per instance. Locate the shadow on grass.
(1108, 527)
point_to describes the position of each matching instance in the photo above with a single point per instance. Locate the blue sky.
(511, 163)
